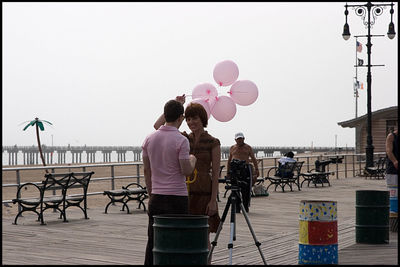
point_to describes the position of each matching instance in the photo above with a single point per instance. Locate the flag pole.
(356, 83)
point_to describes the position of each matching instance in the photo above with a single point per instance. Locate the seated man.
(242, 151)
(288, 157)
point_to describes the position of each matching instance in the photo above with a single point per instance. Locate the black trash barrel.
(180, 239)
(372, 216)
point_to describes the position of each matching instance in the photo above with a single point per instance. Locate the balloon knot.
(220, 83)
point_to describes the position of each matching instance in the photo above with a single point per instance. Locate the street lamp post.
(363, 11)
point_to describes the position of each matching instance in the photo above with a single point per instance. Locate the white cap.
(239, 135)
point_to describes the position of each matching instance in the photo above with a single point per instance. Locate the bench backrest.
(297, 167)
(55, 181)
(64, 181)
(286, 170)
(80, 180)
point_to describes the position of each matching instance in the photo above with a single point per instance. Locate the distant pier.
(87, 154)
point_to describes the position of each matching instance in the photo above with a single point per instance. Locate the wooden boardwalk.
(120, 238)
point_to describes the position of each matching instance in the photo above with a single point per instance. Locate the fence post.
(112, 178)
(138, 173)
(345, 166)
(354, 167)
(337, 167)
(262, 167)
(19, 183)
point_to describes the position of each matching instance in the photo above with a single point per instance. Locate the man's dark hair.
(290, 154)
(172, 110)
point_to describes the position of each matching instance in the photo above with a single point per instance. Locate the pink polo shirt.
(164, 148)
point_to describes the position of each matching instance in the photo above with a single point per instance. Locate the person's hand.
(211, 208)
(181, 99)
(192, 159)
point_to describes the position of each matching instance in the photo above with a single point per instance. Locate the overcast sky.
(101, 72)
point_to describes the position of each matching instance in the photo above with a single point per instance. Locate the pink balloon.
(205, 91)
(224, 109)
(204, 103)
(244, 92)
(226, 73)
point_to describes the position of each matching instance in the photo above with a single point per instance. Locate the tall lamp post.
(363, 11)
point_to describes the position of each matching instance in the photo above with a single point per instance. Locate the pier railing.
(352, 165)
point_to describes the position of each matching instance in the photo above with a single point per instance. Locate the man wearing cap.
(243, 151)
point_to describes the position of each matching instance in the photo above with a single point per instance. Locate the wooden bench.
(53, 193)
(285, 175)
(127, 194)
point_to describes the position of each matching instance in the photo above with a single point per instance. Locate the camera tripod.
(235, 197)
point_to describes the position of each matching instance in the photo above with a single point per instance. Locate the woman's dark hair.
(196, 109)
(172, 110)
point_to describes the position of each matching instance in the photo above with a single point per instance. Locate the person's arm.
(216, 162)
(389, 150)
(254, 160)
(161, 120)
(187, 165)
(147, 174)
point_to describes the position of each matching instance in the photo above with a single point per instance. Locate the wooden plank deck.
(120, 238)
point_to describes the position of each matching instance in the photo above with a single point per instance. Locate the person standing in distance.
(243, 151)
(166, 162)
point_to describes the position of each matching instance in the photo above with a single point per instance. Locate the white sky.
(101, 72)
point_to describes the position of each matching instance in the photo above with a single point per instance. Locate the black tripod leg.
(232, 235)
(253, 234)
(214, 243)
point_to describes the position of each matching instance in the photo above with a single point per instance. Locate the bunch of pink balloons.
(223, 108)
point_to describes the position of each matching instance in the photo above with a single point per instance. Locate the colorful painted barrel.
(318, 234)
(372, 216)
(180, 239)
(393, 216)
(393, 199)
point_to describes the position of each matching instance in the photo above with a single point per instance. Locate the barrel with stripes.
(318, 234)
(372, 216)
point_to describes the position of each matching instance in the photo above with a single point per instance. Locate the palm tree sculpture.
(39, 124)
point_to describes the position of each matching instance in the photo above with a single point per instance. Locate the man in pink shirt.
(166, 162)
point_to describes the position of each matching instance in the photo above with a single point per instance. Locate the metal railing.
(353, 163)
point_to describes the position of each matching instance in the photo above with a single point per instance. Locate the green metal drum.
(180, 239)
(372, 216)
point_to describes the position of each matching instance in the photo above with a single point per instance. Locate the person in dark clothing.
(392, 178)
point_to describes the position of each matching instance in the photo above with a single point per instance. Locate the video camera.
(238, 173)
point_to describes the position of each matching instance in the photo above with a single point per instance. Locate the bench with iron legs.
(126, 194)
(53, 193)
(378, 170)
(316, 177)
(284, 175)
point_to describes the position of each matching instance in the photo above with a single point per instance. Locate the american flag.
(358, 47)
